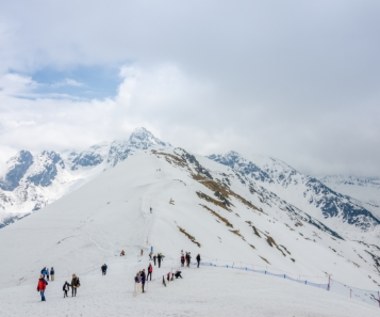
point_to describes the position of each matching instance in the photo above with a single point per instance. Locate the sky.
(296, 80)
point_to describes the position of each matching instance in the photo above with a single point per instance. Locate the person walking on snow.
(150, 271)
(41, 287)
(143, 279)
(159, 258)
(65, 289)
(104, 269)
(75, 283)
(188, 259)
(44, 272)
(198, 260)
(52, 274)
(182, 260)
(154, 259)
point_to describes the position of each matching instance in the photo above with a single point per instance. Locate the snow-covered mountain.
(173, 200)
(305, 192)
(168, 199)
(33, 180)
(364, 189)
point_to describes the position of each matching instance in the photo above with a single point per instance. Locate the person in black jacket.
(159, 259)
(52, 274)
(104, 269)
(65, 289)
(198, 259)
(178, 274)
(143, 279)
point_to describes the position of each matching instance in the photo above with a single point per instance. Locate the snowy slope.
(198, 206)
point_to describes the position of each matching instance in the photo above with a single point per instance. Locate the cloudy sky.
(294, 79)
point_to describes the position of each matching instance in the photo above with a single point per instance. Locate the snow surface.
(89, 227)
(201, 292)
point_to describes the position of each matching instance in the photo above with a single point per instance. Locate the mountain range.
(275, 214)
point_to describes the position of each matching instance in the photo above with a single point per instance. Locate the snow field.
(201, 292)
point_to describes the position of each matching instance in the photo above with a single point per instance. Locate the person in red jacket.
(41, 286)
(150, 271)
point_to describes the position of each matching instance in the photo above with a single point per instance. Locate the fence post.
(350, 293)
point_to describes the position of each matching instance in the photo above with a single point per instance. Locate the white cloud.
(294, 80)
(15, 84)
(68, 82)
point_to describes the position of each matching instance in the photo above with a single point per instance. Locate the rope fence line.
(367, 296)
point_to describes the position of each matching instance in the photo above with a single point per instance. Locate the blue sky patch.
(82, 82)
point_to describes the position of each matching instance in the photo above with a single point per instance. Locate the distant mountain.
(305, 192)
(363, 189)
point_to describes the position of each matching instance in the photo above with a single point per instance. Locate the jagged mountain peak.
(141, 138)
(236, 161)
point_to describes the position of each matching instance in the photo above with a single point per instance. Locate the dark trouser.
(143, 286)
(149, 276)
(73, 291)
(198, 263)
(159, 263)
(65, 293)
(42, 293)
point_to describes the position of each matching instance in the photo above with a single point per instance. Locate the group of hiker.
(157, 258)
(47, 275)
(186, 259)
(140, 279)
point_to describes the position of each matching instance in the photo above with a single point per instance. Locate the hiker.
(163, 280)
(104, 269)
(65, 289)
(178, 274)
(44, 271)
(52, 272)
(198, 260)
(182, 260)
(188, 259)
(137, 280)
(154, 259)
(143, 279)
(122, 253)
(47, 274)
(150, 271)
(41, 287)
(159, 259)
(75, 283)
